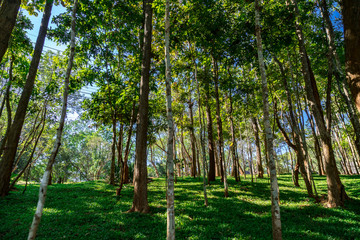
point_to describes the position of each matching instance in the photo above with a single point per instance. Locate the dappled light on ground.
(91, 210)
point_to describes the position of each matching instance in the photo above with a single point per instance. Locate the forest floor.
(91, 210)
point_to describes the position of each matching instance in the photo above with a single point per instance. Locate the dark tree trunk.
(140, 202)
(351, 19)
(218, 120)
(16, 127)
(8, 108)
(8, 14)
(193, 141)
(113, 152)
(235, 169)
(211, 173)
(258, 147)
(125, 172)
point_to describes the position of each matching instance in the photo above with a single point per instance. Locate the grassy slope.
(92, 211)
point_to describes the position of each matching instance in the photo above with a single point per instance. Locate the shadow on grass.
(92, 211)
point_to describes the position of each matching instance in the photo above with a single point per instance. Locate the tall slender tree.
(275, 206)
(170, 150)
(140, 201)
(48, 170)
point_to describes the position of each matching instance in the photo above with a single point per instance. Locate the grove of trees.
(169, 88)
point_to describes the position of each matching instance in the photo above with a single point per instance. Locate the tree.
(8, 13)
(48, 170)
(170, 155)
(351, 18)
(16, 127)
(140, 202)
(275, 208)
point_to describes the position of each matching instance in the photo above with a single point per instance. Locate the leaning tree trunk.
(336, 192)
(16, 127)
(8, 14)
(275, 206)
(140, 201)
(28, 163)
(170, 233)
(47, 173)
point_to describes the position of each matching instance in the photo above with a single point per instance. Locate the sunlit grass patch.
(91, 210)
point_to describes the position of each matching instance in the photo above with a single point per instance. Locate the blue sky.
(36, 20)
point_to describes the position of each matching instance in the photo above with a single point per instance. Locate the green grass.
(92, 211)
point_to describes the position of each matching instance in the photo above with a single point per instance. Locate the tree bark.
(170, 233)
(258, 148)
(192, 141)
(218, 121)
(8, 13)
(211, 173)
(113, 151)
(339, 76)
(6, 101)
(140, 201)
(125, 174)
(235, 169)
(351, 19)
(48, 170)
(202, 134)
(16, 127)
(275, 206)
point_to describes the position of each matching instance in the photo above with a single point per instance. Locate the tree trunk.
(219, 122)
(32, 152)
(336, 192)
(351, 19)
(317, 146)
(275, 206)
(8, 108)
(250, 157)
(16, 127)
(340, 78)
(8, 14)
(258, 147)
(113, 152)
(48, 170)
(211, 173)
(299, 146)
(192, 140)
(140, 202)
(235, 169)
(202, 134)
(125, 175)
(152, 162)
(170, 148)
